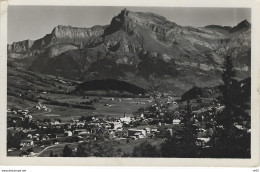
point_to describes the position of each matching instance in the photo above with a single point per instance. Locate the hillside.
(110, 84)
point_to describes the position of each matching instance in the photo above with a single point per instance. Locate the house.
(52, 136)
(29, 136)
(11, 149)
(115, 125)
(154, 130)
(202, 141)
(169, 130)
(43, 125)
(176, 121)
(29, 117)
(68, 126)
(35, 138)
(80, 124)
(137, 133)
(112, 135)
(55, 123)
(119, 129)
(80, 132)
(37, 107)
(27, 142)
(44, 137)
(107, 104)
(68, 133)
(148, 130)
(125, 119)
(25, 112)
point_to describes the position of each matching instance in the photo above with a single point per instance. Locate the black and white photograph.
(128, 82)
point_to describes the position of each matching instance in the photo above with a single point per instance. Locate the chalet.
(115, 125)
(106, 125)
(52, 136)
(202, 141)
(154, 130)
(125, 119)
(68, 126)
(80, 124)
(43, 125)
(137, 133)
(29, 136)
(44, 137)
(19, 110)
(80, 132)
(68, 133)
(169, 130)
(148, 130)
(112, 135)
(11, 149)
(176, 121)
(35, 138)
(29, 117)
(55, 123)
(27, 142)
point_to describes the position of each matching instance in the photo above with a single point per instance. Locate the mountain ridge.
(141, 48)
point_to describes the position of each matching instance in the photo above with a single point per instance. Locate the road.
(58, 146)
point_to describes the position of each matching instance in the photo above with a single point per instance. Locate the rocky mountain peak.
(240, 26)
(244, 23)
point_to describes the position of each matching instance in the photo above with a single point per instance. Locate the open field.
(25, 89)
(126, 105)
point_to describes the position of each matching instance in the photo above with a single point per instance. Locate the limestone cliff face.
(60, 34)
(69, 34)
(19, 47)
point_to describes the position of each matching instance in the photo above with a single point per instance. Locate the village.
(33, 137)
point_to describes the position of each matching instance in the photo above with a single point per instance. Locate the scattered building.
(125, 119)
(68, 133)
(27, 142)
(176, 121)
(115, 125)
(137, 133)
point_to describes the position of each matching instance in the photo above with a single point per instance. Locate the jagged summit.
(242, 25)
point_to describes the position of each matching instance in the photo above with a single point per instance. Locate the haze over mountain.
(144, 49)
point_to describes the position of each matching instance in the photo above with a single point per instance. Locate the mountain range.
(143, 49)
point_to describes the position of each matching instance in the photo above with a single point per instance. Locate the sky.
(34, 22)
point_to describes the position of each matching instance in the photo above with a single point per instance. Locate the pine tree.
(51, 154)
(183, 141)
(145, 149)
(67, 152)
(230, 141)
